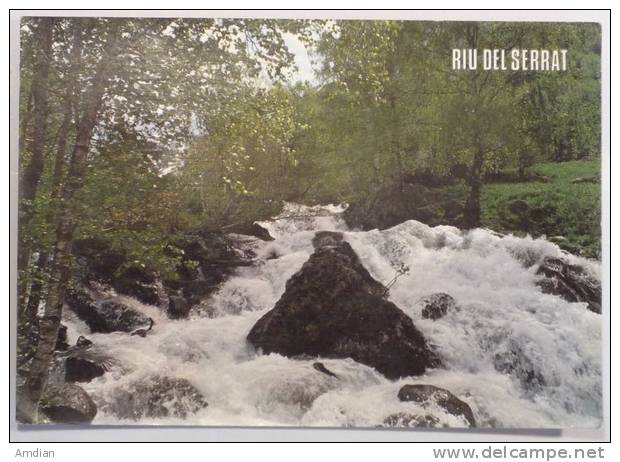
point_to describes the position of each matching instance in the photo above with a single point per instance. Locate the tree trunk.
(24, 121)
(59, 273)
(559, 157)
(32, 173)
(396, 147)
(28, 315)
(59, 160)
(471, 214)
(25, 114)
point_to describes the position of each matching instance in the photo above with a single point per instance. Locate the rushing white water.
(501, 310)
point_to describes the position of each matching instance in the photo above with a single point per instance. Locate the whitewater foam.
(502, 313)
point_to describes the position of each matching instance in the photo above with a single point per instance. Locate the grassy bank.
(565, 210)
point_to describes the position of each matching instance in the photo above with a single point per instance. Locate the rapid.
(503, 314)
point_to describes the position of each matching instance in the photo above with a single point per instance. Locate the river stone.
(146, 292)
(252, 229)
(437, 305)
(570, 282)
(79, 369)
(514, 361)
(333, 308)
(61, 341)
(208, 259)
(107, 315)
(326, 239)
(404, 419)
(426, 394)
(67, 403)
(178, 307)
(155, 397)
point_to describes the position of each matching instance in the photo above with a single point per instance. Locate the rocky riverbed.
(410, 326)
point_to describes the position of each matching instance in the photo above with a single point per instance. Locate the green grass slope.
(564, 204)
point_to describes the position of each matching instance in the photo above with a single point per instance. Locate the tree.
(140, 79)
(475, 111)
(563, 110)
(28, 317)
(374, 85)
(244, 164)
(50, 321)
(32, 172)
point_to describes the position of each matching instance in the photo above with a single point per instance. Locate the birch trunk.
(59, 273)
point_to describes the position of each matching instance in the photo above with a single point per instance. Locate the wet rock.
(430, 394)
(326, 239)
(143, 331)
(293, 392)
(515, 362)
(137, 283)
(437, 305)
(571, 282)
(108, 315)
(207, 248)
(178, 307)
(208, 259)
(252, 229)
(198, 289)
(261, 233)
(333, 308)
(403, 419)
(321, 368)
(78, 369)
(273, 254)
(67, 403)
(61, 341)
(83, 342)
(155, 397)
(527, 256)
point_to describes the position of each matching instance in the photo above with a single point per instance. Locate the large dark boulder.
(78, 369)
(67, 403)
(333, 308)
(571, 282)
(432, 395)
(154, 397)
(107, 315)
